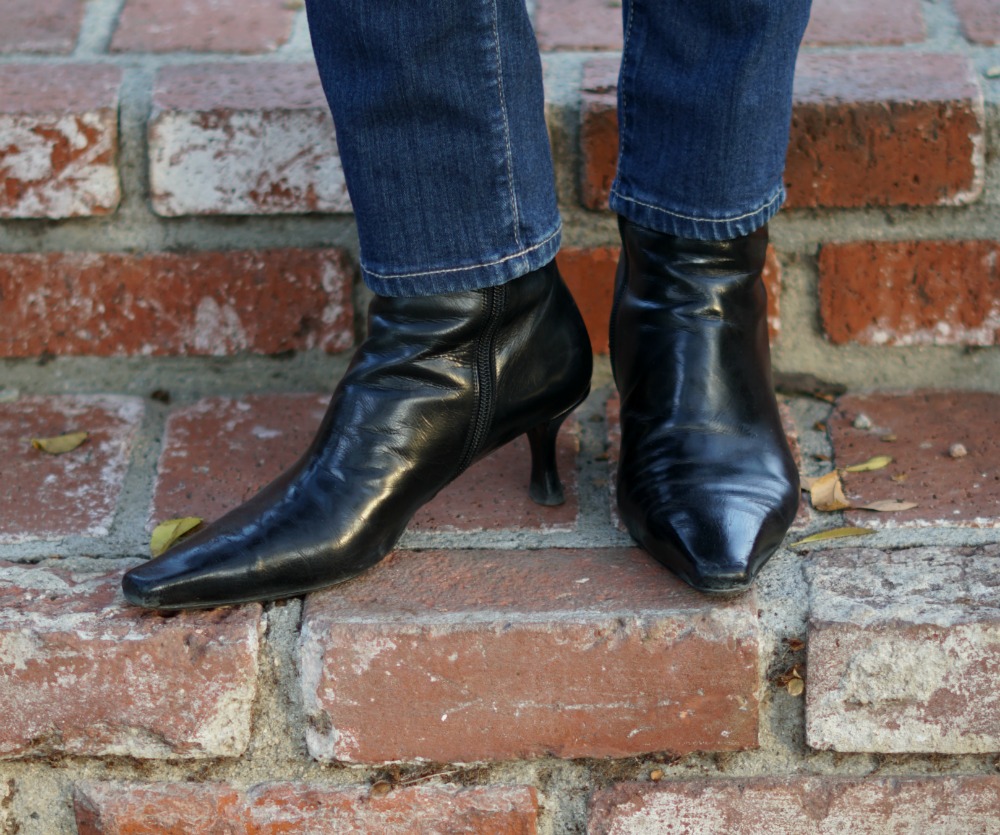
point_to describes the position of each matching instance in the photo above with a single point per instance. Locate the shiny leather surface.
(706, 481)
(396, 431)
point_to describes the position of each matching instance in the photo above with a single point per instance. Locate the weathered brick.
(613, 417)
(910, 292)
(83, 674)
(468, 656)
(948, 491)
(59, 125)
(578, 24)
(980, 20)
(247, 140)
(48, 26)
(220, 451)
(293, 808)
(885, 129)
(868, 129)
(589, 273)
(904, 651)
(846, 22)
(216, 303)
(203, 26)
(45, 497)
(966, 805)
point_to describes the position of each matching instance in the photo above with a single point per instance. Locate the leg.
(473, 338)
(706, 481)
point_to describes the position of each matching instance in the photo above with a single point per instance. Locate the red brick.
(885, 129)
(910, 292)
(578, 24)
(980, 20)
(83, 674)
(203, 26)
(246, 140)
(904, 651)
(168, 304)
(949, 492)
(60, 140)
(41, 26)
(589, 273)
(220, 451)
(49, 497)
(292, 808)
(966, 805)
(833, 22)
(613, 416)
(868, 129)
(456, 656)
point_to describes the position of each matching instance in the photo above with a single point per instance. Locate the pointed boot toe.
(706, 481)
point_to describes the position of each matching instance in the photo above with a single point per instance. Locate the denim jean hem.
(684, 225)
(488, 273)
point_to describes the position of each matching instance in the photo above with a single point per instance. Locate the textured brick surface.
(910, 292)
(904, 651)
(203, 26)
(835, 22)
(60, 140)
(299, 808)
(45, 496)
(873, 129)
(578, 24)
(822, 805)
(233, 139)
(220, 451)
(980, 20)
(868, 129)
(469, 656)
(613, 417)
(81, 673)
(40, 26)
(113, 304)
(963, 492)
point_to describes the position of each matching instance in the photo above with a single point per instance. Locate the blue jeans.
(438, 107)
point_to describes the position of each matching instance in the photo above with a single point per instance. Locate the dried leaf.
(807, 481)
(900, 477)
(656, 775)
(833, 533)
(887, 506)
(876, 463)
(795, 644)
(60, 443)
(796, 687)
(380, 788)
(167, 533)
(828, 493)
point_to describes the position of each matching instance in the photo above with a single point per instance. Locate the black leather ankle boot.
(706, 481)
(440, 382)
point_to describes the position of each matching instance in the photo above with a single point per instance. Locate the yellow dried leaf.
(833, 533)
(796, 687)
(167, 533)
(656, 775)
(60, 443)
(828, 494)
(876, 463)
(806, 482)
(887, 505)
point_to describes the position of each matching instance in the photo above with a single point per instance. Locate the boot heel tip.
(547, 496)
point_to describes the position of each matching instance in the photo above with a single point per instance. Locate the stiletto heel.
(546, 488)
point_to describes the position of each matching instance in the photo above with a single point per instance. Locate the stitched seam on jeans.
(506, 126)
(621, 82)
(763, 208)
(511, 257)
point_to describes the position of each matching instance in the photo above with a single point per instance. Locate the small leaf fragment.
(876, 463)
(806, 482)
(795, 687)
(833, 533)
(656, 775)
(887, 506)
(380, 788)
(900, 477)
(167, 533)
(795, 644)
(827, 493)
(59, 444)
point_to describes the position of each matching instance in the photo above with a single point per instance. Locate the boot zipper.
(485, 371)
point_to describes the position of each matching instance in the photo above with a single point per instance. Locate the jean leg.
(704, 102)
(439, 113)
